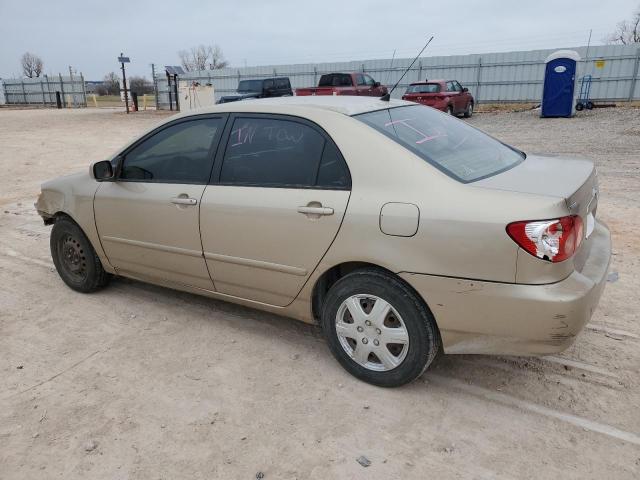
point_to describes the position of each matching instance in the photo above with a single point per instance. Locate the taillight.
(554, 240)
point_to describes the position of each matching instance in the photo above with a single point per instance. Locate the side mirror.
(465, 89)
(103, 171)
(376, 84)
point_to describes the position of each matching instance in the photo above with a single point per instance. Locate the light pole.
(122, 59)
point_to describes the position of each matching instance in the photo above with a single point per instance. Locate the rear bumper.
(515, 319)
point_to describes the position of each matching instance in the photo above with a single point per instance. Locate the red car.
(446, 95)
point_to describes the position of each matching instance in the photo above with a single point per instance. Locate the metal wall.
(491, 77)
(42, 90)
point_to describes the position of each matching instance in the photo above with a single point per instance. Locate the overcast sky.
(89, 35)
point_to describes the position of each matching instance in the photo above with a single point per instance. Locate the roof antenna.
(387, 96)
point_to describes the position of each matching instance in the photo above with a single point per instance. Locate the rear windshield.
(425, 88)
(335, 80)
(250, 86)
(449, 144)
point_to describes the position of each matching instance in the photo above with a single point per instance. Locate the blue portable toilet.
(560, 81)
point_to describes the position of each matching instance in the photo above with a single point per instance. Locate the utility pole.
(122, 59)
(73, 87)
(155, 83)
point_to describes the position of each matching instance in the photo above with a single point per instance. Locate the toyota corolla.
(401, 230)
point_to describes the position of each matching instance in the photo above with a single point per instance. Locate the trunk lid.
(574, 180)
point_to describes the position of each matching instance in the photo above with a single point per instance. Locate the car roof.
(344, 104)
(430, 81)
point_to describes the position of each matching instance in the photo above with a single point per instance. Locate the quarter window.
(273, 152)
(180, 153)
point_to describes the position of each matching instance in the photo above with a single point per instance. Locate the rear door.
(148, 219)
(460, 98)
(278, 195)
(453, 96)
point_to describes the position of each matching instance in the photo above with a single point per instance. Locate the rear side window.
(180, 153)
(452, 146)
(426, 88)
(335, 80)
(273, 152)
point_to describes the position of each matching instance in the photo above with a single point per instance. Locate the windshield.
(425, 88)
(250, 86)
(449, 144)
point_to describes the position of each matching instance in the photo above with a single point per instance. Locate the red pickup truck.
(345, 84)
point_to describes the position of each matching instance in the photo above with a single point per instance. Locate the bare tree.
(140, 85)
(202, 57)
(32, 65)
(627, 31)
(111, 85)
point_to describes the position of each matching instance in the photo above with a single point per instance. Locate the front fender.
(73, 196)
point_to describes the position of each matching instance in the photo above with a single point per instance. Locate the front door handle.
(315, 210)
(184, 200)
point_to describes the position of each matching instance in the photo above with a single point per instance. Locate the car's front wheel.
(74, 257)
(379, 329)
(469, 111)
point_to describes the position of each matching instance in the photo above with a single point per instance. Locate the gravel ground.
(139, 382)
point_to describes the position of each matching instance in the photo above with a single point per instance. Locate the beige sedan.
(401, 230)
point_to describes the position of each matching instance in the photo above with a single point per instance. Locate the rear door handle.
(184, 201)
(315, 210)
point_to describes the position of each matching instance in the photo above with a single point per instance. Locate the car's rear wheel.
(74, 257)
(469, 111)
(379, 329)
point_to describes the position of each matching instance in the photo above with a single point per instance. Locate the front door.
(279, 193)
(148, 219)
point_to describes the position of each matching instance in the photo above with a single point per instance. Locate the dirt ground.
(141, 382)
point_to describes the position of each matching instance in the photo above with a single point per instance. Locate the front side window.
(452, 146)
(180, 153)
(360, 80)
(369, 81)
(282, 83)
(277, 153)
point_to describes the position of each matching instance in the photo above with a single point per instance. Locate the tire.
(589, 105)
(449, 110)
(75, 259)
(469, 111)
(407, 321)
(579, 106)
